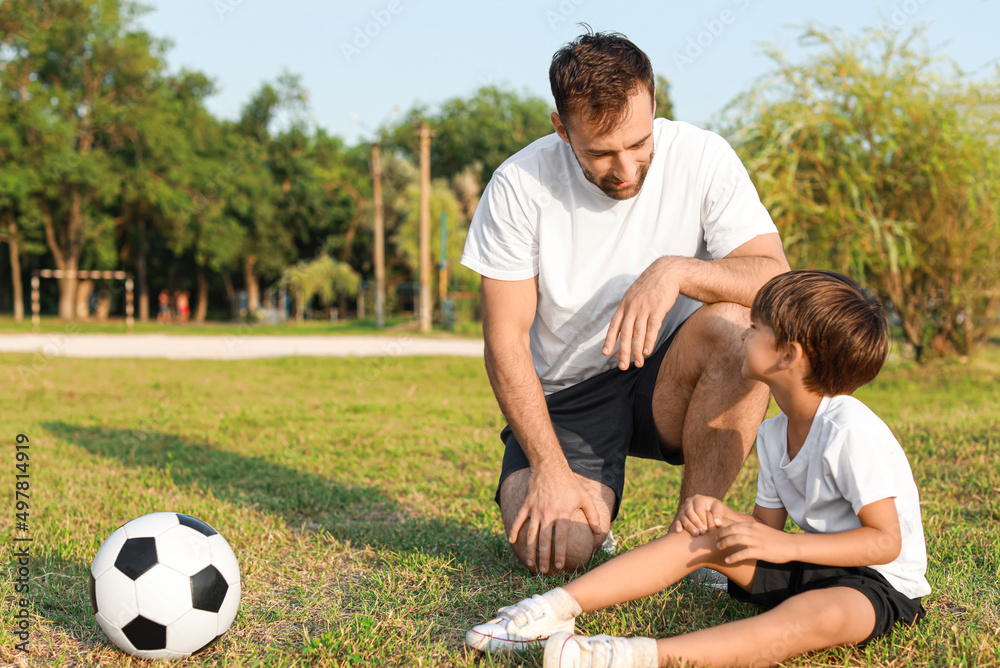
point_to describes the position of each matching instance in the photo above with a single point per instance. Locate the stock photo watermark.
(902, 13)
(714, 28)
(563, 12)
(20, 548)
(223, 7)
(370, 30)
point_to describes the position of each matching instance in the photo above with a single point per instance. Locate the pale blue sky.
(431, 50)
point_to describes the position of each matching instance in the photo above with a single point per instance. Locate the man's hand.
(641, 311)
(757, 541)
(545, 516)
(699, 514)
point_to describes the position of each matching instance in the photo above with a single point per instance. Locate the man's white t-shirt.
(849, 459)
(540, 216)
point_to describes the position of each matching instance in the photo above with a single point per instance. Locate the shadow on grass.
(303, 500)
(361, 515)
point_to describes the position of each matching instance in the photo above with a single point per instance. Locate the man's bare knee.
(581, 543)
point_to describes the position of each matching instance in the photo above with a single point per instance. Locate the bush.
(877, 159)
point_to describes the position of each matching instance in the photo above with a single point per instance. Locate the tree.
(204, 238)
(16, 183)
(664, 105)
(880, 160)
(322, 276)
(486, 129)
(78, 66)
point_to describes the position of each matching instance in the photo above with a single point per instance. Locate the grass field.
(357, 494)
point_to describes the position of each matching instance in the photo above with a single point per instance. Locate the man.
(616, 239)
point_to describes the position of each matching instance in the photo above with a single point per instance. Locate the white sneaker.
(564, 650)
(517, 627)
(708, 578)
(610, 545)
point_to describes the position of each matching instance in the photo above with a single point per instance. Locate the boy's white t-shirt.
(849, 459)
(540, 216)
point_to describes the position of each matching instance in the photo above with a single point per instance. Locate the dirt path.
(226, 347)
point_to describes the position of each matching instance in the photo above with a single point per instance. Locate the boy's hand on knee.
(699, 514)
(753, 540)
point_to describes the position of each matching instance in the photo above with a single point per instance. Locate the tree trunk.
(15, 268)
(300, 305)
(67, 292)
(253, 286)
(83, 290)
(231, 293)
(66, 255)
(140, 271)
(103, 306)
(202, 309)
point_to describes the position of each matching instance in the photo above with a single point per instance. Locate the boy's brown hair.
(594, 75)
(841, 327)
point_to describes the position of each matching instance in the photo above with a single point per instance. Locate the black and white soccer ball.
(165, 586)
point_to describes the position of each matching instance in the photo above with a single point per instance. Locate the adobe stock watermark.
(562, 13)
(902, 13)
(364, 34)
(223, 7)
(704, 39)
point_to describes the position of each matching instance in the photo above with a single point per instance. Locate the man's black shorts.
(775, 583)
(599, 422)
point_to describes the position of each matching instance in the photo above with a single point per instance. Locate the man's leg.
(582, 541)
(703, 405)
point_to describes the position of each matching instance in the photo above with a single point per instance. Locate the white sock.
(644, 654)
(564, 605)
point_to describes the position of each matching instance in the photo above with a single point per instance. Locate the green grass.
(357, 494)
(51, 325)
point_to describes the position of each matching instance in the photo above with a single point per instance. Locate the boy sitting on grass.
(826, 460)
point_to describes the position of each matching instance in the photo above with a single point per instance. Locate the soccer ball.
(165, 586)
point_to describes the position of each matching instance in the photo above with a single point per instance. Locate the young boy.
(826, 460)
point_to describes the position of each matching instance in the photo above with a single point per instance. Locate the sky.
(362, 59)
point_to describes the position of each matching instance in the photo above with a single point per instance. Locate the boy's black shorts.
(599, 422)
(775, 583)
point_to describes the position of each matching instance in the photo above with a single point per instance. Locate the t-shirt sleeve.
(858, 461)
(767, 493)
(502, 243)
(732, 213)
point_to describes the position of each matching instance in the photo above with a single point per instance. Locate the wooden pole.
(379, 237)
(36, 319)
(425, 228)
(443, 260)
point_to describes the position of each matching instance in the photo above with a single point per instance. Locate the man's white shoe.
(564, 650)
(520, 626)
(610, 545)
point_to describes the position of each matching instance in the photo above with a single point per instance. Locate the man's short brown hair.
(841, 327)
(593, 76)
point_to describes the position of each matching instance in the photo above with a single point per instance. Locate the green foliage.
(877, 159)
(484, 129)
(406, 237)
(664, 104)
(323, 277)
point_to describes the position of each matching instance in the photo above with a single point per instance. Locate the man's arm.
(554, 494)
(877, 541)
(735, 278)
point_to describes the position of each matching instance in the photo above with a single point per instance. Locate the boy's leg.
(808, 621)
(652, 568)
(637, 573)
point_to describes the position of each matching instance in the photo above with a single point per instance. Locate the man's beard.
(609, 187)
